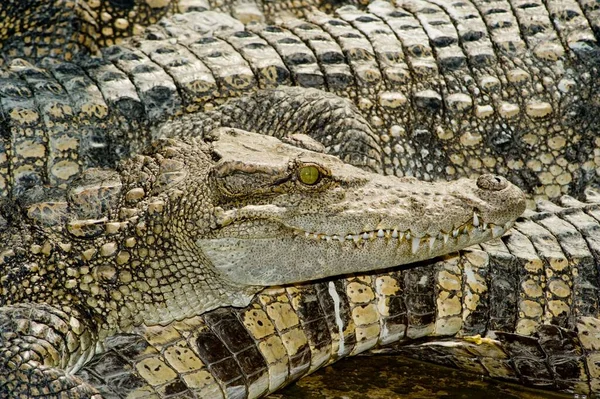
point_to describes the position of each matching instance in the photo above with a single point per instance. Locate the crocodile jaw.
(311, 256)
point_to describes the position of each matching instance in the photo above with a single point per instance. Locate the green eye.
(309, 175)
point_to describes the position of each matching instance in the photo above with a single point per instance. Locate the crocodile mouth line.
(474, 229)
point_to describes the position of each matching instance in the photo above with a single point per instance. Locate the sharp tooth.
(475, 220)
(455, 233)
(356, 237)
(485, 225)
(446, 237)
(380, 233)
(315, 236)
(416, 241)
(328, 238)
(407, 235)
(497, 231)
(349, 237)
(431, 243)
(306, 234)
(401, 236)
(365, 236)
(395, 233)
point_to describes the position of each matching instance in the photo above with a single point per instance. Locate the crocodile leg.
(40, 347)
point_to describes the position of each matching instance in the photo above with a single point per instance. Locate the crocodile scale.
(439, 91)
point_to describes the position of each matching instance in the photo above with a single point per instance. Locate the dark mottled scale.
(503, 27)
(517, 78)
(231, 332)
(24, 129)
(558, 271)
(111, 372)
(194, 80)
(336, 308)
(463, 49)
(221, 363)
(427, 353)
(537, 29)
(297, 56)
(442, 35)
(330, 57)
(95, 123)
(531, 279)
(586, 280)
(395, 321)
(574, 27)
(592, 13)
(10, 86)
(408, 30)
(528, 358)
(565, 356)
(306, 303)
(266, 64)
(357, 50)
(232, 73)
(474, 277)
(418, 285)
(386, 46)
(472, 32)
(155, 88)
(125, 104)
(503, 284)
(578, 253)
(62, 163)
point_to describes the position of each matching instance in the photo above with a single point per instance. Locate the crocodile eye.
(309, 175)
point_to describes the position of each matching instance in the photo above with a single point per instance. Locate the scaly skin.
(490, 91)
(417, 110)
(197, 225)
(524, 308)
(67, 30)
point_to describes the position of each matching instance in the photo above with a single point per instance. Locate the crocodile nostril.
(492, 182)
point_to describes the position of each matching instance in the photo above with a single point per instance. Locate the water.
(391, 377)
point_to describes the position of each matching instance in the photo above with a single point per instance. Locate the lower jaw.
(276, 261)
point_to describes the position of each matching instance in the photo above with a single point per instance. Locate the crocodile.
(508, 97)
(449, 90)
(523, 309)
(191, 225)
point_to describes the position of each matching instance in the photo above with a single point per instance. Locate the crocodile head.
(284, 214)
(206, 222)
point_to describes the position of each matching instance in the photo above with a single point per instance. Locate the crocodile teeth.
(365, 236)
(497, 231)
(349, 237)
(475, 220)
(395, 233)
(431, 243)
(485, 226)
(416, 241)
(380, 233)
(455, 233)
(446, 237)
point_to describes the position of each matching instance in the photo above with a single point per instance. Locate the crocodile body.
(524, 309)
(477, 96)
(441, 91)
